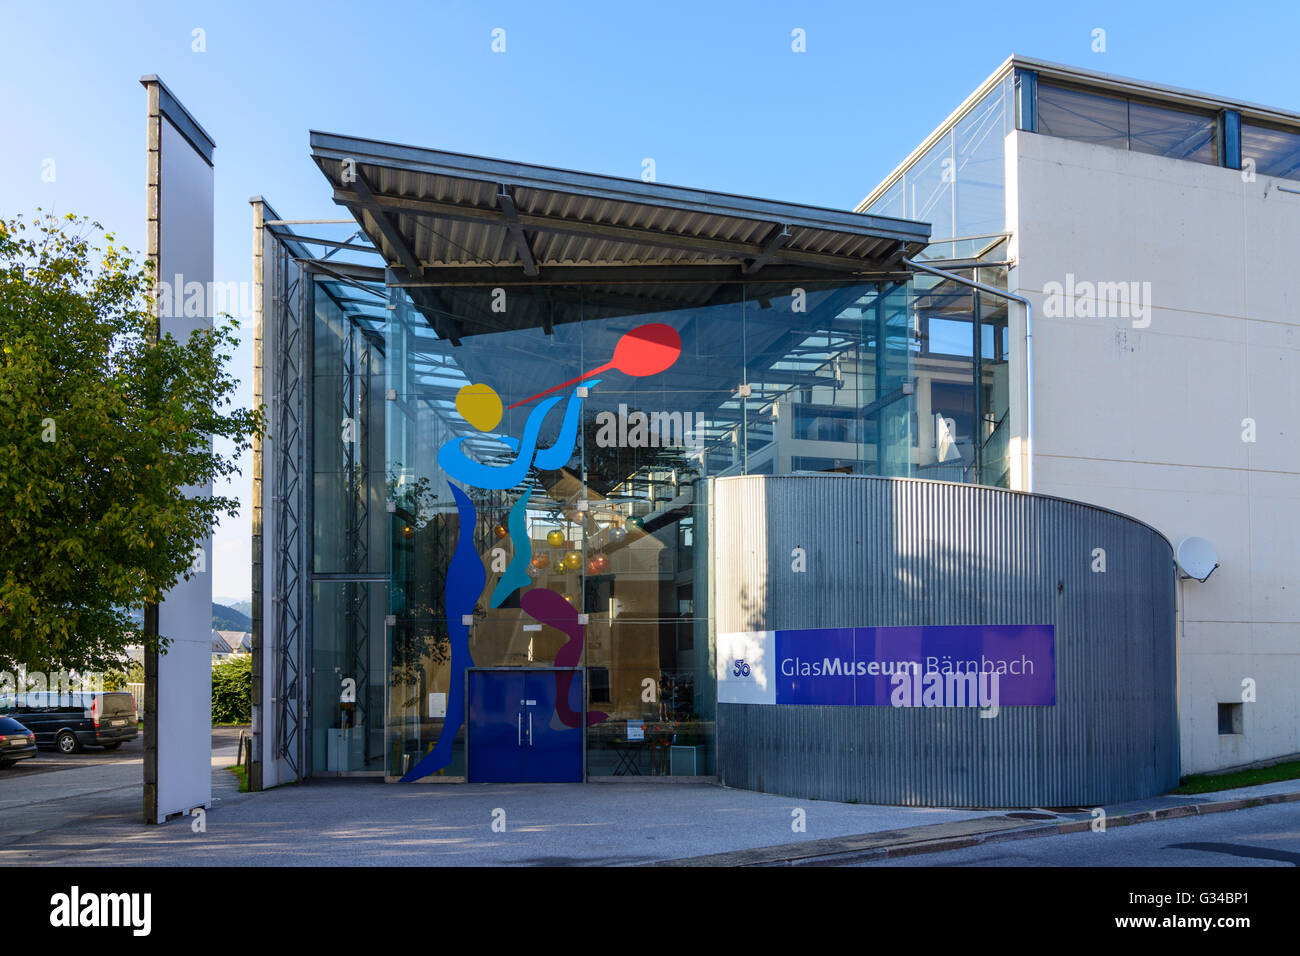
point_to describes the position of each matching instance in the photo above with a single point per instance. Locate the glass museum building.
(570, 477)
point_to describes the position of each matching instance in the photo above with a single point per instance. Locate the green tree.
(133, 674)
(105, 429)
(232, 690)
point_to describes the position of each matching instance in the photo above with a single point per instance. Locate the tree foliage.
(133, 674)
(232, 690)
(106, 429)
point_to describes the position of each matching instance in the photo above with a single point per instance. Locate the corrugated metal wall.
(882, 552)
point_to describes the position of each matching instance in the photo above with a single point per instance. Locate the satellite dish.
(1197, 558)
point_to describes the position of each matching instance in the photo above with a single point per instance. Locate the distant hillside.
(225, 618)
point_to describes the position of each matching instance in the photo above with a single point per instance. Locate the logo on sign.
(741, 669)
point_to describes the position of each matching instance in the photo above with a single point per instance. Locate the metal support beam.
(363, 196)
(287, 503)
(506, 203)
(772, 244)
(505, 275)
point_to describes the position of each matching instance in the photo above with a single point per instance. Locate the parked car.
(16, 742)
(68, 721)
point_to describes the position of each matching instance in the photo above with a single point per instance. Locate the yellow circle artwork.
(479, 405)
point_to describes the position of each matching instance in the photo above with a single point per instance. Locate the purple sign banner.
(933, 666)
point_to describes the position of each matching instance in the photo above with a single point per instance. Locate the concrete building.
(1154, 231)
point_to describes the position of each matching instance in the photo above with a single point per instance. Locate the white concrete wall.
(184, 719)
(1148, 421)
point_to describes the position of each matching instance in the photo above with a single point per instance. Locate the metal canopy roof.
(447, 219)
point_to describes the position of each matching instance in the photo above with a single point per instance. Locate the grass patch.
(1209, 782)
(239, 772)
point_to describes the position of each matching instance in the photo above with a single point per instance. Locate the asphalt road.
(1260, 836)
(47, 793)
(46, 761)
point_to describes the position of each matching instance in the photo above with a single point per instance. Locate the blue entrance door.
(516, 732)
(496, 726)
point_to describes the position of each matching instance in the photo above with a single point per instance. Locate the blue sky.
(710, 90)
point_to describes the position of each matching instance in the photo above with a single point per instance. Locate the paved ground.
(358, 823)
(87, 813)
(52, 792)
(1261, 836)
(89, 816)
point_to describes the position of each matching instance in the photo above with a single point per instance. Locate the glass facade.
(517, 478)
(960, 341)
(958, 184)
(961, 369)
(349, 542)
(1126, 123)
(1274, 151)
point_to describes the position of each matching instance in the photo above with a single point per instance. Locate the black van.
(68, 721)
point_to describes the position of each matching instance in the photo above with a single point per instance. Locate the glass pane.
(1089, 117)
(994, 395)
(419, 687)
(929, 189)
(348, 670)
(1275, 152)
(892, 345)
(560, 531)
(945, 377)
(826, 368)
(981, 172)
(1170, 132)
(349, 526)
(890, 202)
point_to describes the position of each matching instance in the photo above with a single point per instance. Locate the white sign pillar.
(178, 684)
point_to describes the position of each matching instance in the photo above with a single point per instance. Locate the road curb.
(913, 842)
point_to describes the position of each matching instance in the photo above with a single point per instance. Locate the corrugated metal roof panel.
(443, 209)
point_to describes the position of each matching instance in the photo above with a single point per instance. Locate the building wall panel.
(902, 552)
